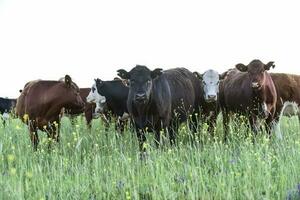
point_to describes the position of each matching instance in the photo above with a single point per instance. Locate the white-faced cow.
(210, 108)
(160, 100)
(249, 90)
(110, 98)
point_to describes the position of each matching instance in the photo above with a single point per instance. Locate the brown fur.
(287, 88)
(40, 104)
(238, 96)
(89, 108)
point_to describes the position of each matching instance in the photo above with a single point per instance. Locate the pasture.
(100, 165)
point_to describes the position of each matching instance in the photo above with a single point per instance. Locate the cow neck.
(143, 111)
(257, 99)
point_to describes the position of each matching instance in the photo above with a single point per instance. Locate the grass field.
(96, 165)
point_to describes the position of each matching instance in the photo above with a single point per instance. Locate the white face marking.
(95, 97)
(210, 81)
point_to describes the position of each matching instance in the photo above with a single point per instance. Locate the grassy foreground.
(101, 166)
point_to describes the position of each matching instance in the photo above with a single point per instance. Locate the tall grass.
(100, 165)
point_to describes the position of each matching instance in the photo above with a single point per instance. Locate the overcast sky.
(89, 39)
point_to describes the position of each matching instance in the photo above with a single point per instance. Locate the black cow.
(110, 98)
(6, 106)
(160, 100)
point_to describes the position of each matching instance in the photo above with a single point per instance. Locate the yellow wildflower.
(10, 157)
(29, 175)
(13, 171)
(26, 117)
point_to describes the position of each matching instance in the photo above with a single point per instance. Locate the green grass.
(101, 165)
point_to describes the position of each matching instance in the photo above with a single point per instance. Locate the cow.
(160, 100)
(110, 98)
(89, 108)
(287, 88)
(209, 89)
(40, 103)
(249, 90)
(6, 106)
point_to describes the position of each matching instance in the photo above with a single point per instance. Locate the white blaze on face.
(210, 81)
(98, 99)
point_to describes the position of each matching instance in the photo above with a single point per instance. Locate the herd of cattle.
(160, 100)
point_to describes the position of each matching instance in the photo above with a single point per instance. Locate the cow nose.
(211, 96)
(140, 96)
(255, 85)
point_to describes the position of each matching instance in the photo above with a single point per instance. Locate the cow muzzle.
(255, 85)
(140, 98)
(211, 98)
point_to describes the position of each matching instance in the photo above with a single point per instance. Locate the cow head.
(140, 83)
(95, 97)
(210, 81)
(256, 71)
(71, 94)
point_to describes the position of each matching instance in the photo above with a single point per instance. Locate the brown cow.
(40, 103)
(250, 91)
(287, 88)
(89, 108)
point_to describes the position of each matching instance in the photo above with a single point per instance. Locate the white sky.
(89, 39)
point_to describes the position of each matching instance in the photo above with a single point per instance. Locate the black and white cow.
(210, 108)
(160, 100)
(6, 106)
(110, 98)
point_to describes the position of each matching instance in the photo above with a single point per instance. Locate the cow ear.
(241, 67)
(198, 75)
(223, 75)
(68, 80)
(98, 82)
(269, 65)
(155, 73)
(123, 74)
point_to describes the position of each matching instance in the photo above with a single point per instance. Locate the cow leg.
(57, 132)
(173, 129)
(119, 126)
(212, 124)
(253, 125)
(226, 119)
(106, 119)
(88, 118)
(141, 138)
(269, 124)
(157, 136)
(33, 135)
(193, 125)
